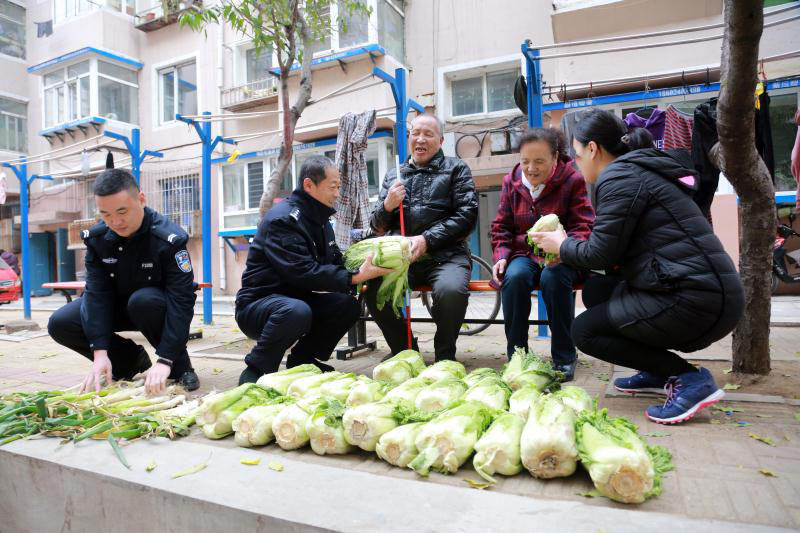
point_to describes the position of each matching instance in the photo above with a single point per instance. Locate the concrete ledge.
(84, 488)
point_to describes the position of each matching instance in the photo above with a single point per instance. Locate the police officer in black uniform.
(295, 288)
(138, 278)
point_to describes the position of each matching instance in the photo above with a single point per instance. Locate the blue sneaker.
(687, 394)
(641, 382)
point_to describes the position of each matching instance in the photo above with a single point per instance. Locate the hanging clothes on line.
(764, 132)
(568, 123)
(654, 124)
(352, 207)
(677, 129)
(704, 137)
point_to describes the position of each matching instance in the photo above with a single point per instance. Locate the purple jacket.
(654, 124)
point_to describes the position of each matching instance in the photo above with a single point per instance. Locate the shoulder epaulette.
(95, 231)
(167, 230)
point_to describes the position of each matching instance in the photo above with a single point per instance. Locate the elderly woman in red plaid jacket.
(543, 182)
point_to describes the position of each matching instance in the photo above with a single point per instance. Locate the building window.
(487, 93)
(13, 125)
(242, 186)
(68, 95)
(391, 22)
(119, 93)
(353, 29)
(177, 91)
(64, 10)
(257, 66)
(12, 29)
(180, 200)
(781, 116)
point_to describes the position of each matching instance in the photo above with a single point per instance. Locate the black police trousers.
(316, 323)
(449, 281)
(144, 311)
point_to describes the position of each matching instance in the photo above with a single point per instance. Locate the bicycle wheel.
(484, 305)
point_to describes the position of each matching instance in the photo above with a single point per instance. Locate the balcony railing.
(150, 13)
(251, 94)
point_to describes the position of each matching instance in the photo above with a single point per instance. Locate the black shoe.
(322, 366)
(141, 365)
(249, 375)
(189, 380)
(567, 369)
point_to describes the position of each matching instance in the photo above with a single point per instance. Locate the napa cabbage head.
(446, 442)
(490, 391)
(399, 368)
(339, 388)
(546, 223)
(281, 380)
(622, 466)
(325, 428)
(442, 370)
(576, 398)
(525, 368)
(390, 251)
(304, 386)
(497, 451)
(547, 444)
(397, 447)
(440, 395)
(289, 426)
(478, 374)
(522, 399)
(406, 393)
(366, 390)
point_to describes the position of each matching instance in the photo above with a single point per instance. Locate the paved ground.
(718, 463)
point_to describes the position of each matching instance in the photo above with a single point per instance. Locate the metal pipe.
(653, 34)
(38, 158)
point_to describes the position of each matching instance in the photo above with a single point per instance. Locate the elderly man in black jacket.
(440, 208)
(295, 289)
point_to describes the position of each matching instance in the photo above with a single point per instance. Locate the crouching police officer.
(295, 288)
(138, 278)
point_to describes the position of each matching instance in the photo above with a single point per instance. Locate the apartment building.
(117, 66)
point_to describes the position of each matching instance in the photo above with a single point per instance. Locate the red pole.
(403, 233)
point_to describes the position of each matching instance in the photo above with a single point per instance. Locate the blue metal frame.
(89, 50)
(203, 130)
(133, 144)
(402, 106)
(21, 171)
(358, 51)
(68, 126)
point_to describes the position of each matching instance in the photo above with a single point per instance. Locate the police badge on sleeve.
(184, 263)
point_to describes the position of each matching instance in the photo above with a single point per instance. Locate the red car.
(10, 285)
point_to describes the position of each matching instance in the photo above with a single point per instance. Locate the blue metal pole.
(21, 172)
(208, 146)
(136, 159)
(401, 110)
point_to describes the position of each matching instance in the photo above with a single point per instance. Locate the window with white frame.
(12, 29)
(64, 10)
(177, 91)
(13, 125)
(68, 92)
(118, 92)
(257, 65)
(489, 92)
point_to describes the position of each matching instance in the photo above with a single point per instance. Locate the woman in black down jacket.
(673, 288)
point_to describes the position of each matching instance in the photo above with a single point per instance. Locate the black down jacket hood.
(674, 268)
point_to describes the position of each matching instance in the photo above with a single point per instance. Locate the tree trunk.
(744, 21)
(290, 118)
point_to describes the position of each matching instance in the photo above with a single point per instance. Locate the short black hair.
(114, 180)
(314, 168)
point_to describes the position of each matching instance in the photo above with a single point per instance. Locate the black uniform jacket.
(154, 256)
(294, 253)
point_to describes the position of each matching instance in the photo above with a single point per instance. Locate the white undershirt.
(535, 191)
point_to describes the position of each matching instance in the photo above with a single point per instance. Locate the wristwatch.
(164, 361)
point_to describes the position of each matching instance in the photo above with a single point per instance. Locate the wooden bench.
(64, 287)
(357, 336)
